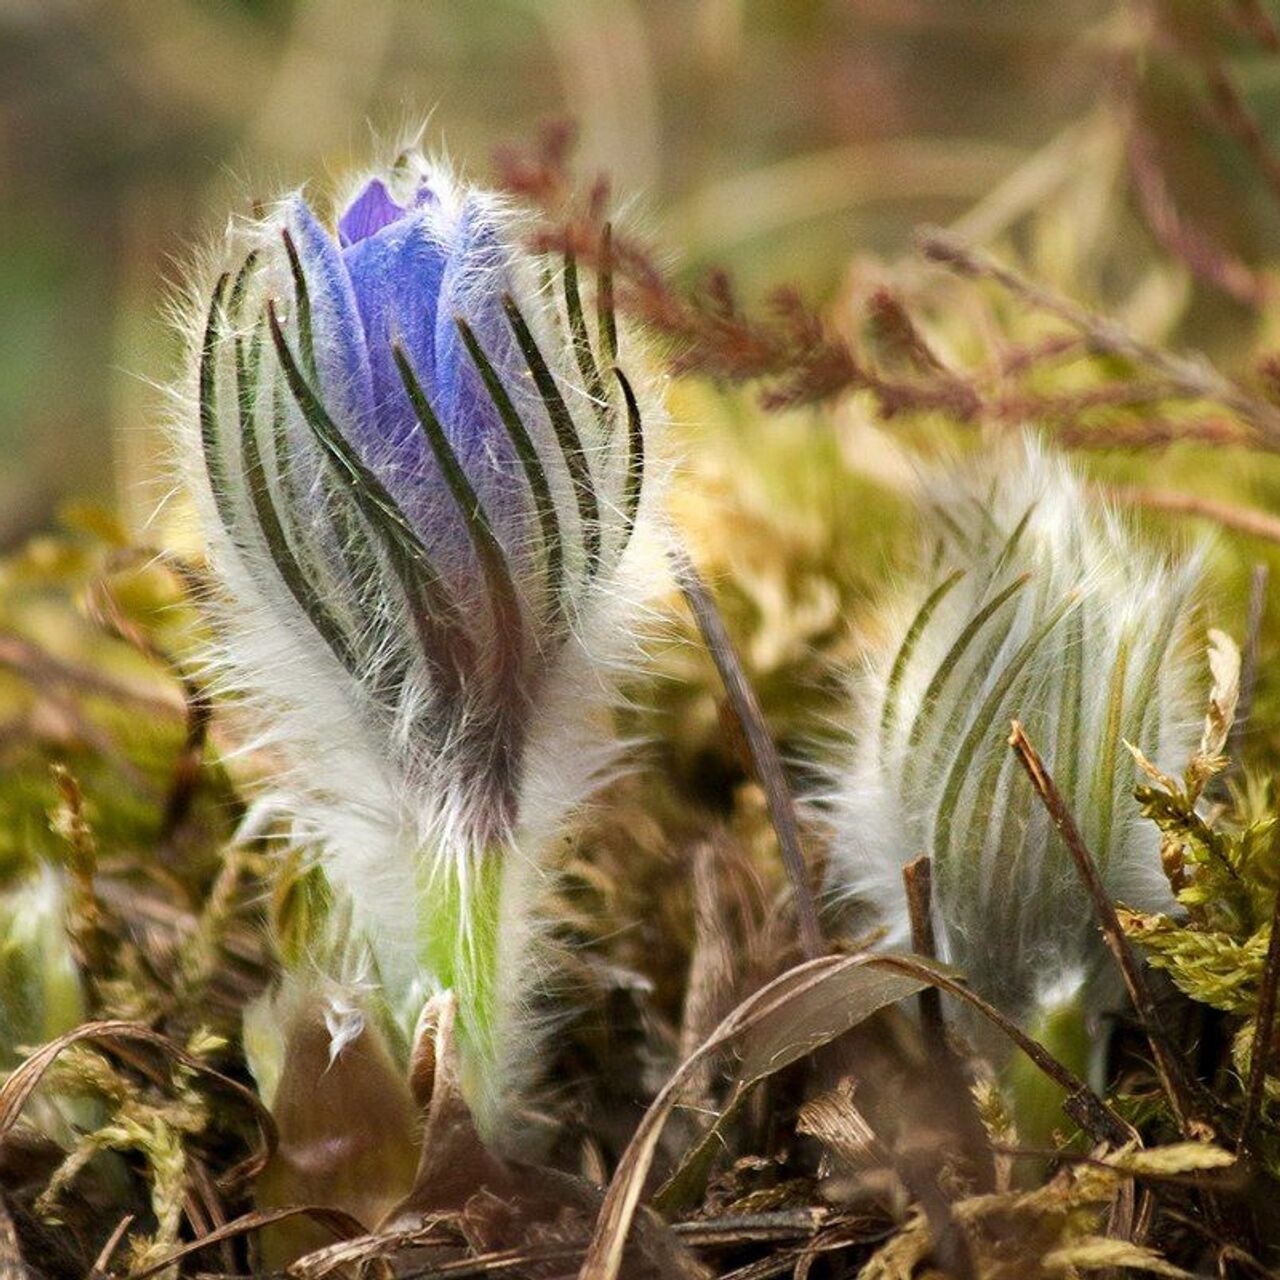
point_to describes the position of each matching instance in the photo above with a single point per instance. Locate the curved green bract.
(582, 352)
(446, 645)
(607, 320)
(534, 471)
(302, 296)
(981, 726)
(566, 434)
(1104, 790)
(268, 516)
(908, 646)
(210, 427)
(493, 560)
(933, 693)
(635, 459)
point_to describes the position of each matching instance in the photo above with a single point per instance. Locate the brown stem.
(1191, 375)
(962, 1111)
(764, 753)
(1173, 1079)
(1247, 520)
(917, 878)
(1264, 1025)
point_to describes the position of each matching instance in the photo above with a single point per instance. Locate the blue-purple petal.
(367, 214)
(342, 357)
(476, 276)
(396, 276)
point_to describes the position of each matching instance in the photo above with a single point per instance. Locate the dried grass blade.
(764, 752)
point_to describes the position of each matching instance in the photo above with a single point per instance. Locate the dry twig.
(1177, 1087)
(1190, 375)
(764, 753)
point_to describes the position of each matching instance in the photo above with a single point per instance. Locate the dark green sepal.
(302, 298)
(210, 428)
(492, 557)
(634, 477)
(446, 644)
(566, 434)
(269, 520)
(582, 352)
(607, 320)
(527, 452)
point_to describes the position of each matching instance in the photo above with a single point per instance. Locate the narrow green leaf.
(607, 322)
(302, 300)
(493, 559)
(634, 483)
(907, 649)
(582, 339)
(981, 725)
(210, 426)
(1011, 544)
(1147, 687)
(566, 434)
(1104, 779)
(527, 452)
(933, 693)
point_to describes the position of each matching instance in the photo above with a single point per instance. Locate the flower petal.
(341, 353)
(476, 276)
(367, 214)
(396, 276)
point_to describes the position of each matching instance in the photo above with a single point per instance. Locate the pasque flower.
(429, 499)
(1039, 604)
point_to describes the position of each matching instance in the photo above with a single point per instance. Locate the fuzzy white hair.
(1039, 604)
(394, 806)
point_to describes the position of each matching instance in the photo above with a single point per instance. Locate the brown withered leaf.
(346, 1123)
(805, 1008)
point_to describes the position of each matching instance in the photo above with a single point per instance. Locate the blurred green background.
(779, 138)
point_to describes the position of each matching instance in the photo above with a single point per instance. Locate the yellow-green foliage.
(1224, 865)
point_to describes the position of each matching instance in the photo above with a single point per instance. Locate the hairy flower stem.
(1037, 1100)
(460, 943)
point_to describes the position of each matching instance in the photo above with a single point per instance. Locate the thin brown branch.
(1234, 113)
(961, 1111)
(1253, 18)
(1249, 520)
(1264, 1029)
(1177, 1087)
(1152, 433)
(101, 1266)
(1202, 255)
(1191, 375)
(764, 752)
(42, 668)
(917, 879)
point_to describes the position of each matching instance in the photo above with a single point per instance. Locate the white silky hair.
(383, 812)
(1039, 603)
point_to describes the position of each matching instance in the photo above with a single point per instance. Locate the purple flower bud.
(429, 508)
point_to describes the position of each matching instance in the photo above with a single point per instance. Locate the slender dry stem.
(1264, 1027)
(1177, 1087)
(917, 878)
(1191, 374)
(1248, 520)
(764, 753)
